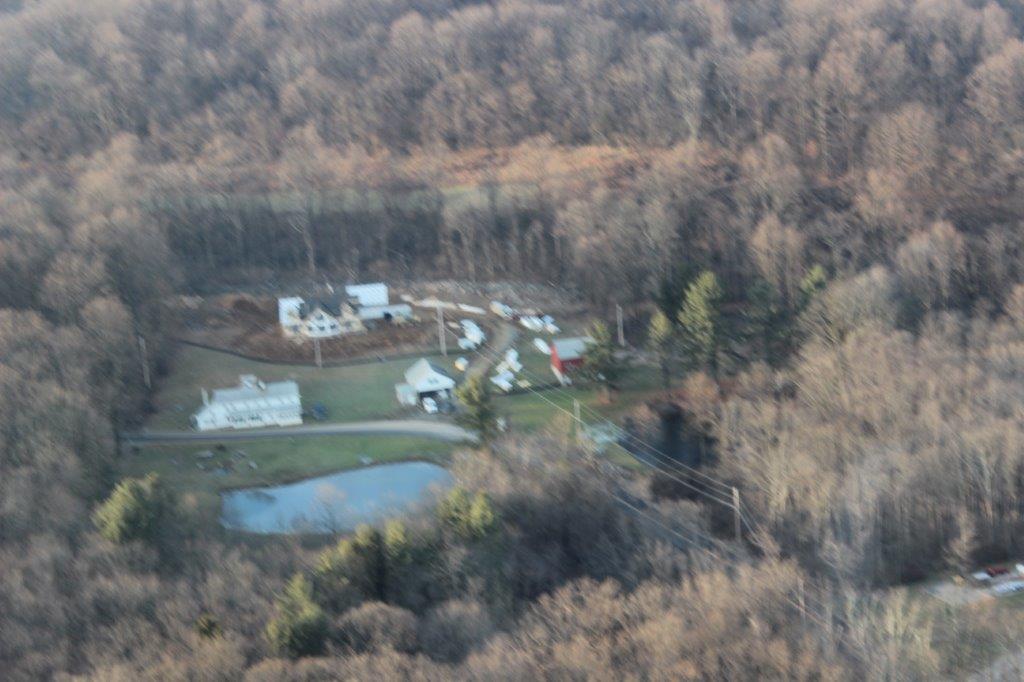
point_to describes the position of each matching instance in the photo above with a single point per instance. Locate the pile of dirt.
(384, 340)
(248, 325)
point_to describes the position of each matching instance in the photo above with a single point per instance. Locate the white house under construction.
(332, 314)
(253, 403)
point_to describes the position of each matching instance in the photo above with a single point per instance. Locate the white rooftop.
(571, 348)
(368, 294)
(288, 310)
(425, 376)
(253, 394)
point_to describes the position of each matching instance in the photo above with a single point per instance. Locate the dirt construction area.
(248, 325)
(246, 322)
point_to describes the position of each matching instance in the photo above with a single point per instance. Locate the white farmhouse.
(319, 317)
(251, 404)
(424, 380)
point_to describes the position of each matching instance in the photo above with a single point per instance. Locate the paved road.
(399, 427)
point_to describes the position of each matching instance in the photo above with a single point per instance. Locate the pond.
(336, 502)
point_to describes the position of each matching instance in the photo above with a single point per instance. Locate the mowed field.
(354, 393)
(535, 410)
(189, 469)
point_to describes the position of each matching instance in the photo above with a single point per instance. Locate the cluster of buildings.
(255, 403)
(335, 313)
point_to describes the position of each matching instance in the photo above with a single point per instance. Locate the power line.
(739, 510)
(726, 502)
(652, 451)
(725, 488)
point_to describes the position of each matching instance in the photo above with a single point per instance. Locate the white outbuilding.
(251, 404)
(363, 295)
(424, 380)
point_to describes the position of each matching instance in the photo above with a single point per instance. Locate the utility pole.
(737, 527)
(440, 331)
(145, 362)
(316, 353)
(576, 418)
(618, 323)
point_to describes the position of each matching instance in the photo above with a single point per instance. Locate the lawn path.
(504, 337)
(398, 427)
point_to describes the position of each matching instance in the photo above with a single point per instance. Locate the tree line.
(812, 206)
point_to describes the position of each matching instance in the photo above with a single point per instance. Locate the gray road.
(398, 427)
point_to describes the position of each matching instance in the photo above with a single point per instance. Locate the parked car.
(430, 406)
(318, 412)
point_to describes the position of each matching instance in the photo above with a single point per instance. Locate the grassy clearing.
(532, 411)
(278, 460)
(365, 391)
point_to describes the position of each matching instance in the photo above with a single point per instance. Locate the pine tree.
(353, 570)
(599, 359)
(661, 339)
(700, 322)
(482, 517)
(812, 284)
(299, 627)
(134, 511)
(469, 518)
(478, 414)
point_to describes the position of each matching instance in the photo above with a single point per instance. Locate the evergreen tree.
(812, 284)
(134, 511)
(661, 340)
(478, 414)
(354, 570)
(207, 627)
(482, 518)
(469, 518)
(299, 627)
(599, 359)
(397, 545)
(700, 322)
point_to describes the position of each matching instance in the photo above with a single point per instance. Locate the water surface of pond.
(336, 502)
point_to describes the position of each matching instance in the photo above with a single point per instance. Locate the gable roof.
(289, 310)
(368, 294)
(426, 376)
(251, 394)
(571, 348)
(329, 304)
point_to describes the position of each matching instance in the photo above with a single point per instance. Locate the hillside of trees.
(815, 206)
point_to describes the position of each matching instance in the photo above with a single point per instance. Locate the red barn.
(567, 355)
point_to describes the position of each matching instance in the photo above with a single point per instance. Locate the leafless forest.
(614, 148)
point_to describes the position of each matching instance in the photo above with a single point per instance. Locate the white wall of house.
(251, 404)
(289, 315)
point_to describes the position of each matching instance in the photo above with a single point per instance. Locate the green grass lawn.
(533, 411)
(365, 391)
(277, 461)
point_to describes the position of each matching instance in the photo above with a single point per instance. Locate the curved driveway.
(398, 427)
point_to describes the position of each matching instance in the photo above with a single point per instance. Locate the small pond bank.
(336, 502)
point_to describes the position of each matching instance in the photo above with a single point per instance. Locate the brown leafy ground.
(246, 324)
